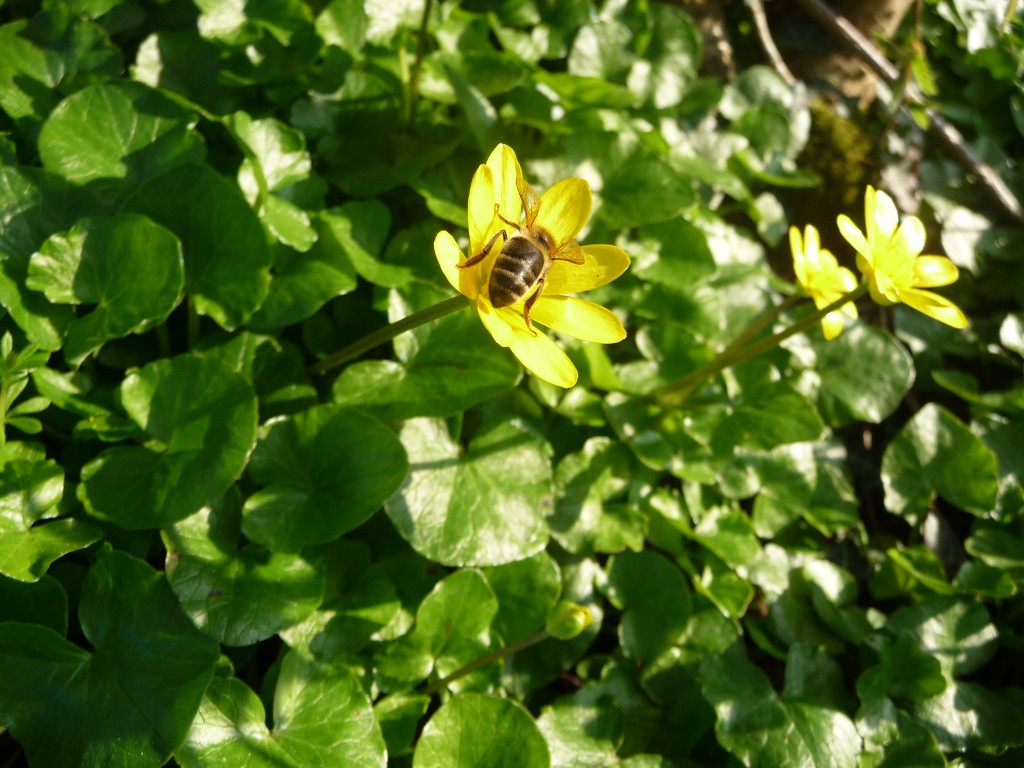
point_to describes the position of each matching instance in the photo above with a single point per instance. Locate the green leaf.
(968, 716)
(582, 732)
(935, 454)
(227, 261)
(654, 620)
(481, 506)
(865, 373)
(118, 130)
(729, 533)
(399, 717)
(526, 591)
(279, 151)
(128, 703)
(452, 629)
(673, 253)
(454, 365)
(644, 189)
(360, 229)
(129, 266)
(33, 206)
(30, 489)
(200, 417)
(958, 631)
(42, 602)
(768, 414)
(764, 730)
(238, 595)
(583, 521)
(671, 58)
(325, 471)
(322, 717)
(477, 731)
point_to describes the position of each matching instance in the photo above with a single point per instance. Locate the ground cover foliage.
(215, 553)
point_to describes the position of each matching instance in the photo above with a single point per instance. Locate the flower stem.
(388, 332)
(487, 658)
(676, 394)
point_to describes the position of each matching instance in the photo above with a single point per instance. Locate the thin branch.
(944, 131)
(764, 34)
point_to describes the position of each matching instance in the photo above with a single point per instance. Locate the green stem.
(421, 50)
(487, 658)
(388, 332)
(677, 393)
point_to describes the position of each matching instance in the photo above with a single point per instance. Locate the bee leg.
(510, 223)
(487, 249)
(529, 303)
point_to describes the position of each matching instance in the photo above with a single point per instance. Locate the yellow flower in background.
(821, 278)
(539, 263)
(889, 256)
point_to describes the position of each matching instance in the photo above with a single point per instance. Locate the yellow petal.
(481, 209)
(493, 321)
(935, 306)
(545, 359)
(565, 208)
(448, 255)
(933, 271)
(911, 235)
(881, 215)
(575, 317)
(832, 325)
(505, 170)
(854, 236)
(601, 265)
(796, 245)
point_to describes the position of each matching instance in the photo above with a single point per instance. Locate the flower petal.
(601, 265)
(498, 327)
(545, 359)
(481, 209)
(448, 255)
(832, 325)
(505, 171)
(933, 271)
(882, 218)
(912, 235)
(576, 317)
(854, 236)
(564, 209)
(935, 306)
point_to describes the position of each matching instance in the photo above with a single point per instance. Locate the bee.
(522, 265)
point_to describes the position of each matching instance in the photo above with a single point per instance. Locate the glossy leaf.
(238, 595)
(439, 508)
(653, 620)
(200, 418)
(128, 702)
(323, 472)
(128, 266)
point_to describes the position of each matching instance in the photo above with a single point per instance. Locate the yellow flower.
(889, 256)
(821, 278)
(497, 196)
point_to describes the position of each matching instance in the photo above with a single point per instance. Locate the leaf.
(279, 151)
(484, 506)
(238, 595)
(769, 414)
(865, 373)
(42, 602)
(764, 730)
(227, 261)
(200, 417)
(455, 365)
(958, 631)
(128, 703)
(127, 265)
(582, 732)
(33, 206)
(654, 619)
(935, 454)
(583, 521)
(118, 130)
(526, 591)
(322, 717)
(30, 489)
(452, 629)
(969, 716)
(478, 730)
(673, 253)
(325, 471)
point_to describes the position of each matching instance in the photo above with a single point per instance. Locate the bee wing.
(531, 201)
(570, 251)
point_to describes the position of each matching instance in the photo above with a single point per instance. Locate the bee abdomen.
(516, 270)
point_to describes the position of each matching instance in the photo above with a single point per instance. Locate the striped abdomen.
(516, 271)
